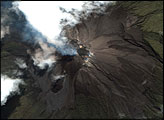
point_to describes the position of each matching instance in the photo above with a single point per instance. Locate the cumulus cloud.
(8, 86)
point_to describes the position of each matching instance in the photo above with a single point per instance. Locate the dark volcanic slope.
(121, 70)
(123, 78)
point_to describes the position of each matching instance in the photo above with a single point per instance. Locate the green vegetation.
(156, 41)
(150, 14)
(7, 64)
(88, 108)
(15, 48)
(4, 54)
(11, 50)
(156, 95)
(29, 108)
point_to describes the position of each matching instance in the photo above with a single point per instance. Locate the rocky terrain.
(117, 73)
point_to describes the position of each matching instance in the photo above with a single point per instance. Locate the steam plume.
(44, 56)
(49, 18)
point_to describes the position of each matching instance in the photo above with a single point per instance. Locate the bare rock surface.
(121, 78)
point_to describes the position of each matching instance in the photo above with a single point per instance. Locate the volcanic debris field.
(115, 73)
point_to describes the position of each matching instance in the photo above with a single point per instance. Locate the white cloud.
(8, 85)
(46, 16)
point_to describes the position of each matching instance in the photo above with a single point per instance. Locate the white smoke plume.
(9, 85)
(43, 56)
(46, 16)
(49, 17)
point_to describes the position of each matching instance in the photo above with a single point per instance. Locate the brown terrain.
(121, 79)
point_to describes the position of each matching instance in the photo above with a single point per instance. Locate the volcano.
(116, 73)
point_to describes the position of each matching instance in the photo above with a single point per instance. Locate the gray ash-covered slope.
(122, 79)
(122, 69)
